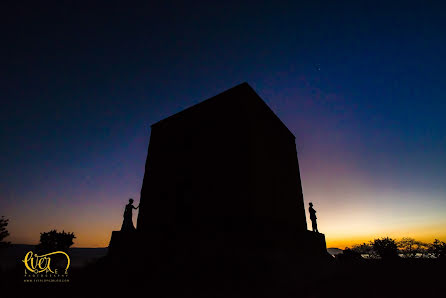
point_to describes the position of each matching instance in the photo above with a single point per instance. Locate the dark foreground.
(367, 278)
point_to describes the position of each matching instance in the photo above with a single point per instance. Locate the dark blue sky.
(360, 85)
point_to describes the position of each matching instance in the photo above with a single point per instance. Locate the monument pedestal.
(307, 246)
(124, 244)
(315, 244)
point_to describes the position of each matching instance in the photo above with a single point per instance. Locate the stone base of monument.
(187, 265)
(134, 247)
(315, 244)
(123, 244)
(129, 243)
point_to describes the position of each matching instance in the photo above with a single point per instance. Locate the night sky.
(362, 87)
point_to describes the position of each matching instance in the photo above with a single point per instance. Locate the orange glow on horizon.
(349, 212)
(100, 237)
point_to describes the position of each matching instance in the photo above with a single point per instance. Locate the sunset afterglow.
(365, 102)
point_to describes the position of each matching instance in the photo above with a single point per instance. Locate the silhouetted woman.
(127, 224)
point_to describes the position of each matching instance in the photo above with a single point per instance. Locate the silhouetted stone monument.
(222, 182)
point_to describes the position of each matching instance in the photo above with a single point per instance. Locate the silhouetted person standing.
(127, 224)
(313, 217)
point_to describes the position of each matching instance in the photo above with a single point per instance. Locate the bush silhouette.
(54, 241)
(3, 232)
(438, 249)
(410, 247)
(385, 248)
(364, 249)
(349, 256)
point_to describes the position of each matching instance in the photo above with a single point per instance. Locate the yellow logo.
(38, 265)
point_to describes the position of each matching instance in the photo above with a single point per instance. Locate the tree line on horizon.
(388, 248)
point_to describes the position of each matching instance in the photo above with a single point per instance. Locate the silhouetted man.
(313, 217)
(127, 224)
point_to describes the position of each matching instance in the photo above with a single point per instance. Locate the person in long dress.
(127, 224)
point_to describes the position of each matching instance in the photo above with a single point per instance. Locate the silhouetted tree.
(438, 249)
(3, 232)
(386, 248)
(349, 256)
(364, 249)
(410, 247)
(54, 241)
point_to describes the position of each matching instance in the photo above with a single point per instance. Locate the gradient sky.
(362, 87)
